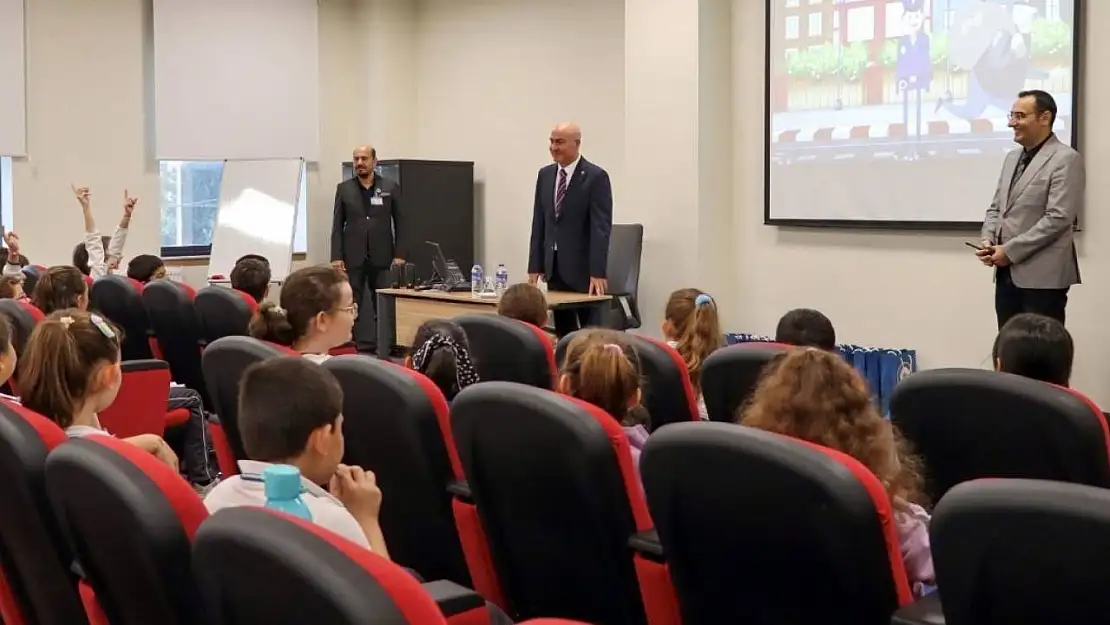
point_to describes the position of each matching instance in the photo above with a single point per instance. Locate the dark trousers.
(566, 320)
(198, 457)
(363, 278)
(1010, 299)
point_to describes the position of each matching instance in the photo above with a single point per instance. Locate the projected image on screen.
(898, 110)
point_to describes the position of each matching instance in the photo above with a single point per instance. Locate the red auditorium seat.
(729, 376)
(36, 585)
(313, 575)
(173, 320)
(763, 529)
(508, 350)
(668, 394)
(140, 405)
(223, 312)
(224, 362)
(131, 520)
(974, 423)
(559, 499)
(391, 419)
(119, 298)
(1018, 551)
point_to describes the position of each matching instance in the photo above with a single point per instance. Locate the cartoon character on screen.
(915, 68)
(996, 40)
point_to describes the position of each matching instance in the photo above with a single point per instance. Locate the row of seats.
(147, 552)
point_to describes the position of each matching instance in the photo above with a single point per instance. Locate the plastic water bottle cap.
(282, 481)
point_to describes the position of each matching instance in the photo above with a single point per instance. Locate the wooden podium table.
(402, 311)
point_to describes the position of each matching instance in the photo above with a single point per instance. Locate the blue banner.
(883, 368)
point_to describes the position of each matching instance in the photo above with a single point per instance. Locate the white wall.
(495, 76)
(88, 101)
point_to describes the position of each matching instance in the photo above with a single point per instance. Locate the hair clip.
(702, 300)
(101, 325)
(66, 321)
(614, 348)
(279, 310)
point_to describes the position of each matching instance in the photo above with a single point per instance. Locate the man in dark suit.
(571, 221)
(364, 233)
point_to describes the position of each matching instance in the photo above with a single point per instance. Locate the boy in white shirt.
(290, 412)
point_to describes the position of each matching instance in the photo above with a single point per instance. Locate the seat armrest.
(461, 490)
(453, 599)
(647, 544)
(75, 568)
(924, 611)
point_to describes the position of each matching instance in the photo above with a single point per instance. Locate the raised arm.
(94, 246)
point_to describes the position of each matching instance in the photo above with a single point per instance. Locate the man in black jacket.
(364, 234)
(571, 219)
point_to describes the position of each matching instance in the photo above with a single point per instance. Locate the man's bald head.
(364, 157)
(564, 143)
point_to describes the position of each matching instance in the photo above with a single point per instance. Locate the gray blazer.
(1033, 221)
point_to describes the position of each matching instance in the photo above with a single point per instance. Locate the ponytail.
(602, 368)
(60, 360)
(698, 326)
(271, 324)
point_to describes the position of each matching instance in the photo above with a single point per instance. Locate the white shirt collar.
(571, 168)
(251, 471)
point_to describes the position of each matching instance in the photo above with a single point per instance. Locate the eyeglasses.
(353, 309)
(1017, 116)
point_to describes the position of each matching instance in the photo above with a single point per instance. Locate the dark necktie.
(1023, 162)
(560, 192)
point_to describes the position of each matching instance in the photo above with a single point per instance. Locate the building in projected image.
(913, 77)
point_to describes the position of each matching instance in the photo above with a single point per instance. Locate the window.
(792, 27)
(7, 219)
(190, 198)
(815, 25)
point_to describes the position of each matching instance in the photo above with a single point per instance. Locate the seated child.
(1034, 346)
(524, 302)
(11, 259)
(442, 352)
(71, 371)
(814, 395)
(8, 357)
(146, 267)
(251, 276)
(805, 327)
(602, 368)
(59, 288)
(98, 256)
(692, 327)
(290, 412)
(317, 313)
(62, 288)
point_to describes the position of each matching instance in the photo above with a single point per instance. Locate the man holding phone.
(1027, 233)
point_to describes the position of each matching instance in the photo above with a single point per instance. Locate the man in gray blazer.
(1027, 233)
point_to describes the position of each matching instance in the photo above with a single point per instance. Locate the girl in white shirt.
(71, 371)
(99, 256)
(692, 327)
(316, 313)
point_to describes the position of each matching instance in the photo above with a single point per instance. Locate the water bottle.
(476, 280)
(283, 490)
(502, 279)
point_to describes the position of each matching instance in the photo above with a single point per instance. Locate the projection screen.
(895, 112)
